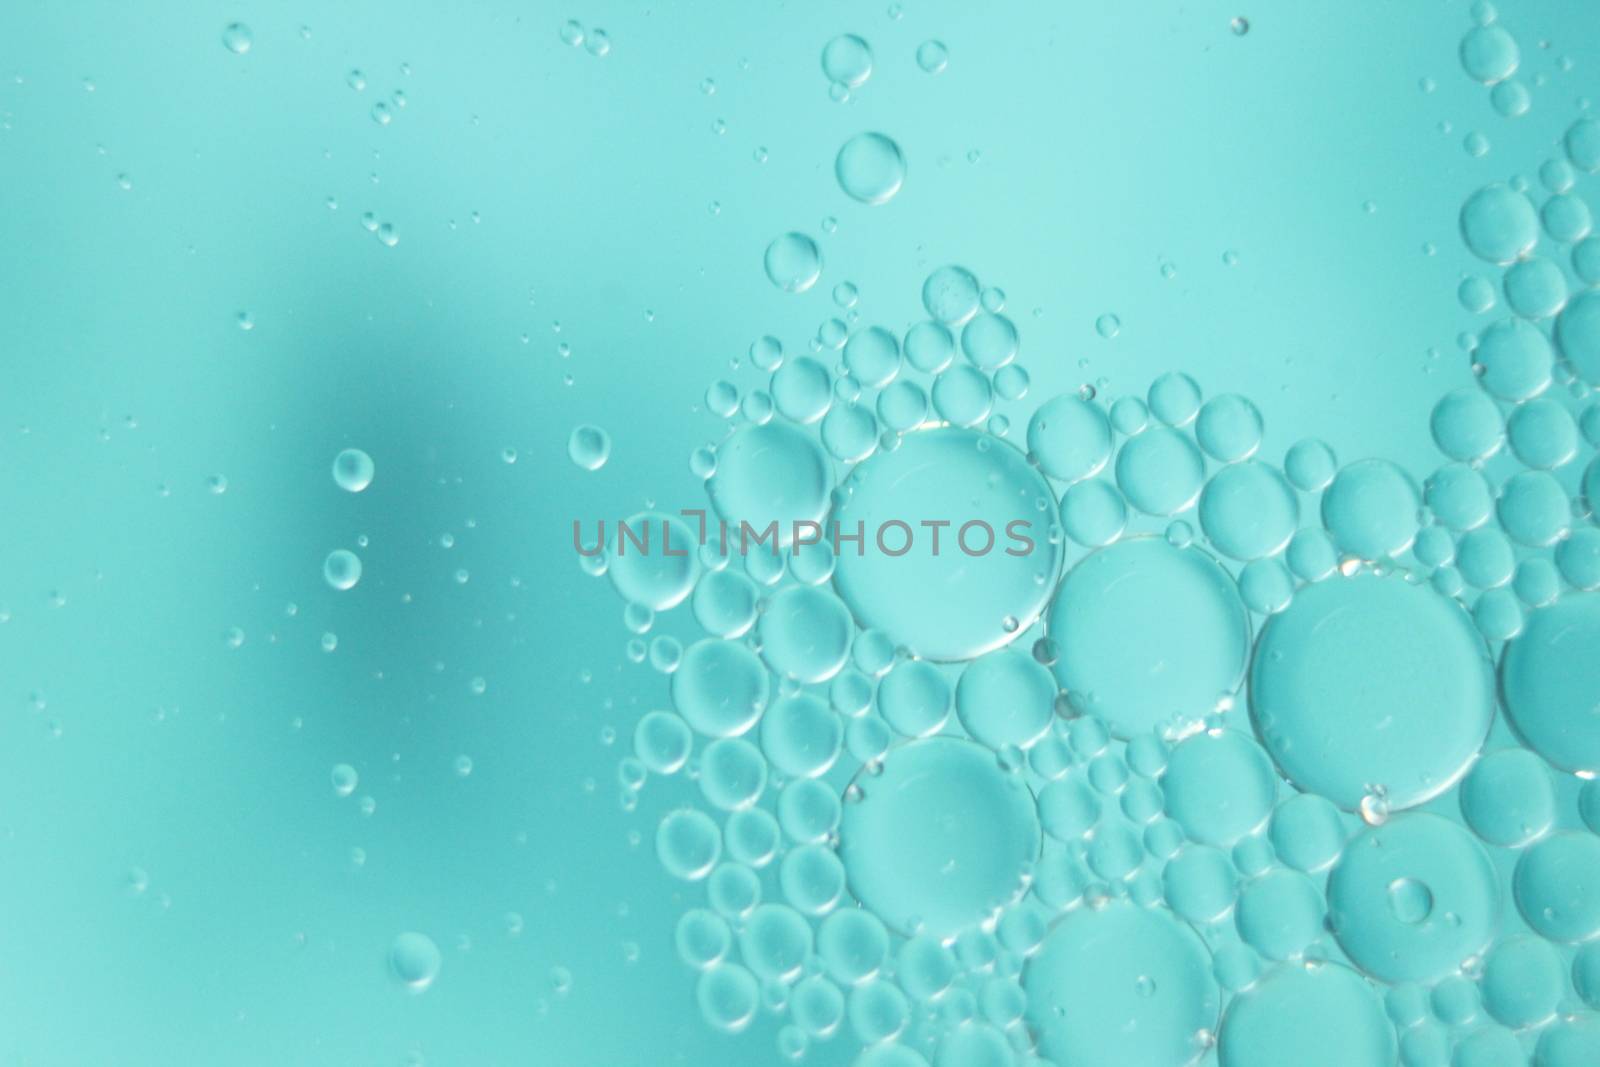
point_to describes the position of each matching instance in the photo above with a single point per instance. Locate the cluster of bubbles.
(1243, 762)
(353, 471)
(595, 41)
(869, 167)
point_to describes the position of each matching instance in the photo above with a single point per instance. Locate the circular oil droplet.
(1280, 914)
(589, 447)
(1514, 360)
(720, 688)
(1219, 786)
(1307, 832)
(870, 168)
(415, 960)
(1311, 1016)
(933, 57)
(1371, 509)
(1070, 438)
(1550, 677)
(237, 38)
(342, 569)
(688, 843)
(1523, 981)
(989, 574)
(1578, 334)
(1499, 224)
(1412, 898)
(1229, 428)
(653, 562)
(353, 470)
(1093, 513)
(728, 996)
(1557, 886)
(1148, 634)
(1535, 288)
(951, 295)
(1508, 798)
(805, 634)
(940, 839)
(793, 262)
(989, 341)
(768, 474)
(1489, 54)
(847, 61)
(1006, 698)
(1368, 682)
(1467, 425)
(1120, 985)
(1248, 511)
(1160, 471)
(801, 736)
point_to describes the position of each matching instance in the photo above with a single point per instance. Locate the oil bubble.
(1148, 632)
(870, 168)
(1120, 985)
(1411, 718)
(414, 960)
(793, 262)
(1413, 898)
(353, 470)
(589, 447)
(940, 839)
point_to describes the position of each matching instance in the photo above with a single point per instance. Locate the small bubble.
(237, 38)
(933, 57)
(1239, 25)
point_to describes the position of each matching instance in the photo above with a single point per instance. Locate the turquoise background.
(1067, 152)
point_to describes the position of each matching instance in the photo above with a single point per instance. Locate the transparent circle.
(1321, 1015)
(1248, 511)
(720, 688)
(1412, 899)
(1219, 786)
(1508, 798)
(1070, 438)
(793, 262)
(941, 839)
(967, 596)
(769, 474)
(805, 634)
(870, 168)
(1160, 471)
(1499, 224)
(1467, 425)
(353, 470)
(1368, 683)
(415, 960)
(1147, 634)
(1119, 985)
(1557, 886)
(653, 561)
(1371, 509)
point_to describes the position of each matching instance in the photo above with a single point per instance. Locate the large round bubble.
(765, 475)
(1120, 985)
(1550, 676)
(1147, 634)
(980, 563)
(940, 839)
(1371, 683)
